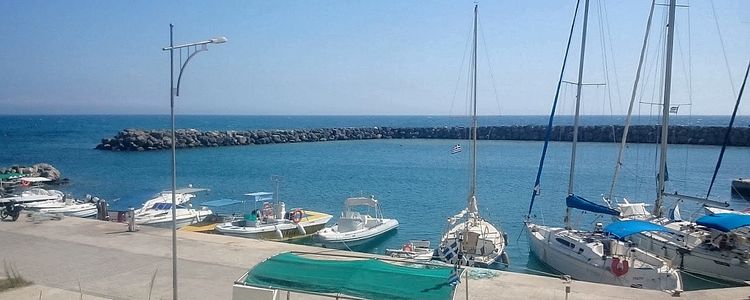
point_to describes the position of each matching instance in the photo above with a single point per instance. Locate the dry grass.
(12, 279)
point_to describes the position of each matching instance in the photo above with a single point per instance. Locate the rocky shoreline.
(151, 140)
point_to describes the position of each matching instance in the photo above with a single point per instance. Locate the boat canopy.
(363, 278)
(221, 202)
(361, 201)
(261, 196)
(575, 201)
(725, 221)
(623, 229)
(10, 176)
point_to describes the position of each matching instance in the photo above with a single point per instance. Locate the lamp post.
(196, 47)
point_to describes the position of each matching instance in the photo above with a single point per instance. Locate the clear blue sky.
(342, 57)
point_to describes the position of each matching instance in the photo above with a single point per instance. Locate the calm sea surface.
(418, 181)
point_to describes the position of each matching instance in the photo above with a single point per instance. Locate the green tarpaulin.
(9, 176)
(364, 278)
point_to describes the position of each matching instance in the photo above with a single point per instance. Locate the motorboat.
(160, 215)
(354, 227)
(741, 187)
(418, 250)
(35, 195)
(67, 207)
(157, 211)
(273, 222)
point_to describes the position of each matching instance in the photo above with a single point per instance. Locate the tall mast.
(624, 138)
(579, 85)
(472, 206)
(665, 110)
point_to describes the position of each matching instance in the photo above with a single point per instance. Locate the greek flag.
(455, 278)
(456, 149)
(450, 251)
(674, 109)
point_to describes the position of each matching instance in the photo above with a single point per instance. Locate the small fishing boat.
(356, 228)
(273, 222)
(418, 250)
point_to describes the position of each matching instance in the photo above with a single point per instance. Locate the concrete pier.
(104, 261)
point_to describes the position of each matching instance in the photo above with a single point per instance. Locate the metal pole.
(578, 109)
(174, 165)
(665, 111)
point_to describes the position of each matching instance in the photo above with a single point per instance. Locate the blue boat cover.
(725, 222)
(221, 202)
(623, 229)
(578, 202)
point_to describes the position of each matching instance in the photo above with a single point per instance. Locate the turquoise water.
(418, 181)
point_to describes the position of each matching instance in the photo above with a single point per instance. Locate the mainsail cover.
(578, 202)
(725, 222)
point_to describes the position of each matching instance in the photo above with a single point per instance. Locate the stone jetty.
(149, 140)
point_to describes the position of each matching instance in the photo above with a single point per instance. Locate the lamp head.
(218, 40)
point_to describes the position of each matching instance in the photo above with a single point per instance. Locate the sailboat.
(599, 255)
(470, 239)
(715, 245)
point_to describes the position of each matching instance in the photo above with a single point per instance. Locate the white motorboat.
(67, 206)
(595, 256)
(160, 215)
(418, 250)
(158, 210)
(35, 195)
(273, 222)
(471, 240)
(354, 227)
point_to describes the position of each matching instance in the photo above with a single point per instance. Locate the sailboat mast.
(665, 110)
(579, 85)
(624, 138)
(472, 195)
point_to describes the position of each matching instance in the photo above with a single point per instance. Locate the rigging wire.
(723, 49)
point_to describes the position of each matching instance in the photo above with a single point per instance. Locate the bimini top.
(361, 201)
(363, 278)
(574, 201)
(623, 229)
(725, 221)
(261, 196)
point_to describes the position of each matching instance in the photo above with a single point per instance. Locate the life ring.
(407, 248)
(266, 205)
(25, 183)
(619, 267)
(296, 216)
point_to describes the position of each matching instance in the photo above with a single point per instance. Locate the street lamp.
(196, 48)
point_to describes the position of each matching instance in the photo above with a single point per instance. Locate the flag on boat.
(674, 109)
(456, 149)
(450, 251)
(674, 214)
(455, 277)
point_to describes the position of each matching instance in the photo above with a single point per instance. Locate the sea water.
(419, 182)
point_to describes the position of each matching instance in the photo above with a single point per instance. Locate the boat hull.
(283, 230)
(331, 238)
(484, 250)
(564, 259)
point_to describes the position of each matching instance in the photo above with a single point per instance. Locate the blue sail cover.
(725, 222)
(623, 229)
(578, 202)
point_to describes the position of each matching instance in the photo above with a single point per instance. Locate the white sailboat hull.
(481, 244)
(725, 265)
(581, 263)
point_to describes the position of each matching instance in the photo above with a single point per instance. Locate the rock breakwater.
(150, 140)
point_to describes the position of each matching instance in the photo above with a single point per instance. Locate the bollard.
(130, 217)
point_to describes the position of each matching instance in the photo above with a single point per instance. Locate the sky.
(358, 57)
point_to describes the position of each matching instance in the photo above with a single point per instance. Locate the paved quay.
(101, 260)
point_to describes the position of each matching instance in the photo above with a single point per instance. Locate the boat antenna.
(624, 139)
(729, 129)
(548, 134)
(579, 85)
(665, 110)
(277, 181)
